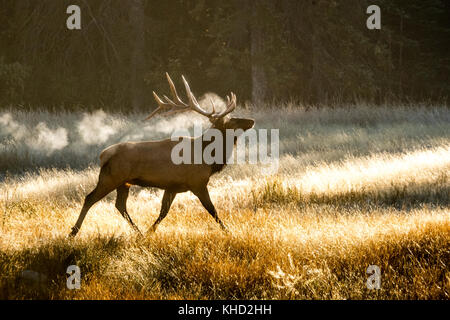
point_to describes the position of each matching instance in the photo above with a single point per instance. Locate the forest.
(310, 51)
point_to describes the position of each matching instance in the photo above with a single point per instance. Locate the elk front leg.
(121, 205)
(204, 198)
(165, 206)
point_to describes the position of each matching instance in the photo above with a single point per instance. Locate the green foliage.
(311, 51)
(12, 81)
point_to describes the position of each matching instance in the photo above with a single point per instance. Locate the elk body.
(149, 164)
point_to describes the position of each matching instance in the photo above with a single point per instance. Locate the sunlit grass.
(308, 231)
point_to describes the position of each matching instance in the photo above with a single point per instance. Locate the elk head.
(219, 120)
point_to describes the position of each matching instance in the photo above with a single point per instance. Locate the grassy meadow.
(356, 186)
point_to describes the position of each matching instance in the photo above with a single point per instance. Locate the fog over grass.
(42, 139)
(30, 140)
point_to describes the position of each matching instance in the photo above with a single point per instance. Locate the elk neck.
(217, 167)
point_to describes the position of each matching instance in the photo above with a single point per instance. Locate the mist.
(96, 128)
(40, 138)
(46, 139)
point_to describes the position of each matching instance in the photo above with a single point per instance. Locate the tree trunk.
(316, 89)
(137, 61)
(259, 83)
(400, 58)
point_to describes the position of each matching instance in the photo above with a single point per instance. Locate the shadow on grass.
(408, 196)
(414, 266)
(48, 265)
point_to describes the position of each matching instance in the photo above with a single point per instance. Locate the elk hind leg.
(104, 186)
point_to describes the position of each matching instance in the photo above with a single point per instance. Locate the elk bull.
(149, 164)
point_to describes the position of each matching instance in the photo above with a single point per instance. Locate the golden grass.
(308, 232)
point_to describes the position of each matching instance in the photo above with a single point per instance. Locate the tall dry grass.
(355, 187)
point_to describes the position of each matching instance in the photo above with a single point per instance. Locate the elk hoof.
(138, 233)
(136, 230)
(151, 230)
(225, 230)
(74, 232)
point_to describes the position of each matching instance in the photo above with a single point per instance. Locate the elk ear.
(240, 123)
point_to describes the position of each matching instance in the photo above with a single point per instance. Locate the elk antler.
(176, 105)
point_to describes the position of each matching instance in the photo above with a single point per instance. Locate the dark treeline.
(313, 51)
